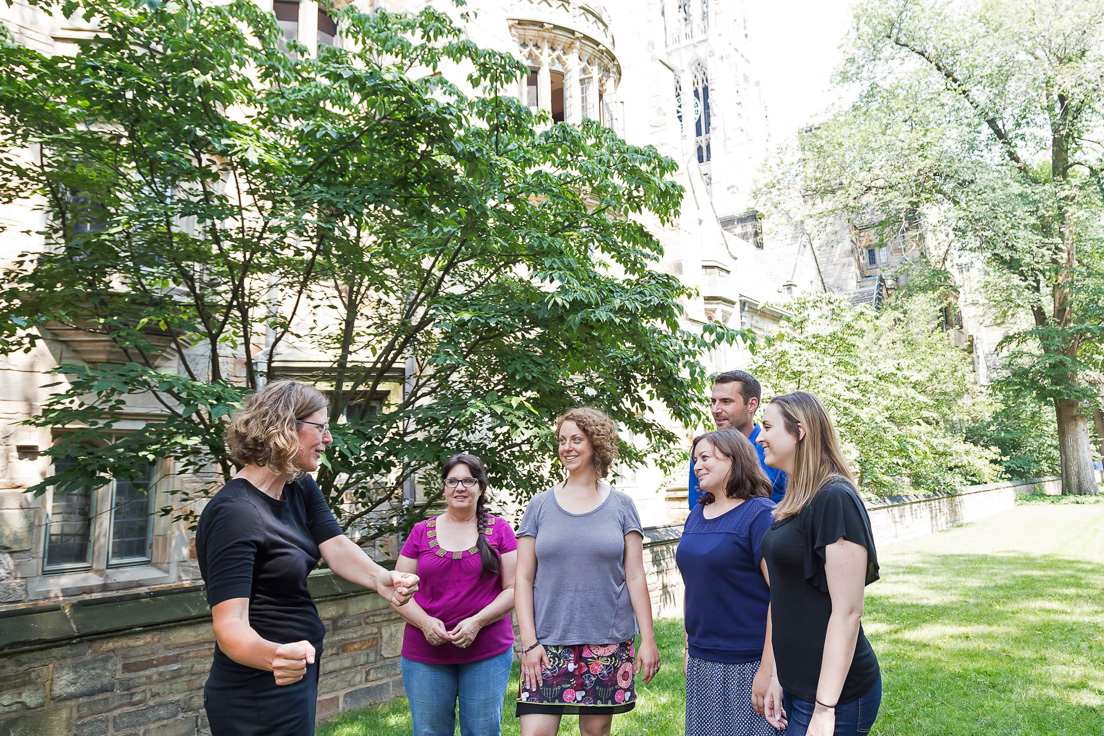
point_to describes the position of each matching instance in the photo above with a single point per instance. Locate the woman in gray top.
(581, 593)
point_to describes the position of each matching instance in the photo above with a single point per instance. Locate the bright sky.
(795, 47)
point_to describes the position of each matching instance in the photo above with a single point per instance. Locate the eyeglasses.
(324, 427)
(468, 482)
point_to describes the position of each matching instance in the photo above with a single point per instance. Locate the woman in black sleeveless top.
(820, 556)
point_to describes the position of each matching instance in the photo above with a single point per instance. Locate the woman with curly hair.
(257, 540)
(727, 664)
(581, 592)
(820, 555)
(458, 639)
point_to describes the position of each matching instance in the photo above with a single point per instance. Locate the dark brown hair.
(746, 478)
(487, 556)
(749, 387)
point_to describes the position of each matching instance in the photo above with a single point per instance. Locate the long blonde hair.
(818, 458)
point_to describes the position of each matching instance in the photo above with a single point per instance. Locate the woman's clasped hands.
(462, 635)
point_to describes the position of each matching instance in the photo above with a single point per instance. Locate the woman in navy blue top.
(727, 595)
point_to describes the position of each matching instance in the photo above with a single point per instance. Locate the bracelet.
(535, 645)
(774, 677)
(822, 705)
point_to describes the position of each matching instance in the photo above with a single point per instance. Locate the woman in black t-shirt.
(820, 555)
(257, 540)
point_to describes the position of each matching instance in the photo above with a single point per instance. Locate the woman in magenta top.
(458, 643)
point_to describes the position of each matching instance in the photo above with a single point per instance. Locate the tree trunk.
(1098, 417)
(1075, 449)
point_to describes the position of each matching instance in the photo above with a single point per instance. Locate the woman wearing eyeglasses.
(458, 641)
(257, 540)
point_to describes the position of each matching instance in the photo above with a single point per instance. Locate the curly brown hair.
(600, 431)
(265, 431)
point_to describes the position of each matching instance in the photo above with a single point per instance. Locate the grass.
(994, 628)
(659, 709)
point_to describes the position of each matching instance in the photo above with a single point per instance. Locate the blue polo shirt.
(777, 477)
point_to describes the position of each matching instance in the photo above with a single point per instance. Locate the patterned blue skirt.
(718, 700)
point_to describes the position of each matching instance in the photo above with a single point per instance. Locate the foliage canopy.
(453, 270)
(897, 389)
(991, 112)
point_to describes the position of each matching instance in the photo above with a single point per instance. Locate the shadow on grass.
(989, 644)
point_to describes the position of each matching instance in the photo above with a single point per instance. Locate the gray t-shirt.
(579, 592)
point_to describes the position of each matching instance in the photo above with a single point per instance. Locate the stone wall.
(135, 664)
(905, 517)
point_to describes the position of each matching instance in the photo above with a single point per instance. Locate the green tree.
(1023, 431)
(897, 389)
(454, 270)
(989, 110)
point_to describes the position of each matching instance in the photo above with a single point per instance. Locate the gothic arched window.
(703, 123)
(678, 100)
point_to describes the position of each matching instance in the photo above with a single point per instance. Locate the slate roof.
(869, 295)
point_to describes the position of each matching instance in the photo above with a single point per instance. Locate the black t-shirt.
(250, 545)
(800, 604)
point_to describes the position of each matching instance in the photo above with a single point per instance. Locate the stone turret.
(568, 46)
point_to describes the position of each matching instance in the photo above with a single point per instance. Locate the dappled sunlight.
(949, 635)
(993, 629)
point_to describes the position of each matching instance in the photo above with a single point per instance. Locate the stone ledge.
(38, 626)
(658, 535)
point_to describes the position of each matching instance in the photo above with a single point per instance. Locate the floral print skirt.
(583, 678)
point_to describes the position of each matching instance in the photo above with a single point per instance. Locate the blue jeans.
(433, 690)
(852, 719)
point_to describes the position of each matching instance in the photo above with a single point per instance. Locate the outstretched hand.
(397, 587)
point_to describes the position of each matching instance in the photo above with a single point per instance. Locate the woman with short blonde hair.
(257, 540)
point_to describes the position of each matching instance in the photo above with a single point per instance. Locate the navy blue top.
(777, 477)
(726, 595)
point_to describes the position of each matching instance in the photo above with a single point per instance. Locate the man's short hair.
(749, 387)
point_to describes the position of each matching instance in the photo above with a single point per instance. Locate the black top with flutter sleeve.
(794, 549)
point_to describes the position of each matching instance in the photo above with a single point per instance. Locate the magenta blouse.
(452, 587)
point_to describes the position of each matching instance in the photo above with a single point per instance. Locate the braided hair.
(487, 556)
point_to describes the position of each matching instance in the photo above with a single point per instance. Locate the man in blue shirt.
(735, 400)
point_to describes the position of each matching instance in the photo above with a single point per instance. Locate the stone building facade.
(670, 73)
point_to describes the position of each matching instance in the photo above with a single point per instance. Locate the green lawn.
(993, 629)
